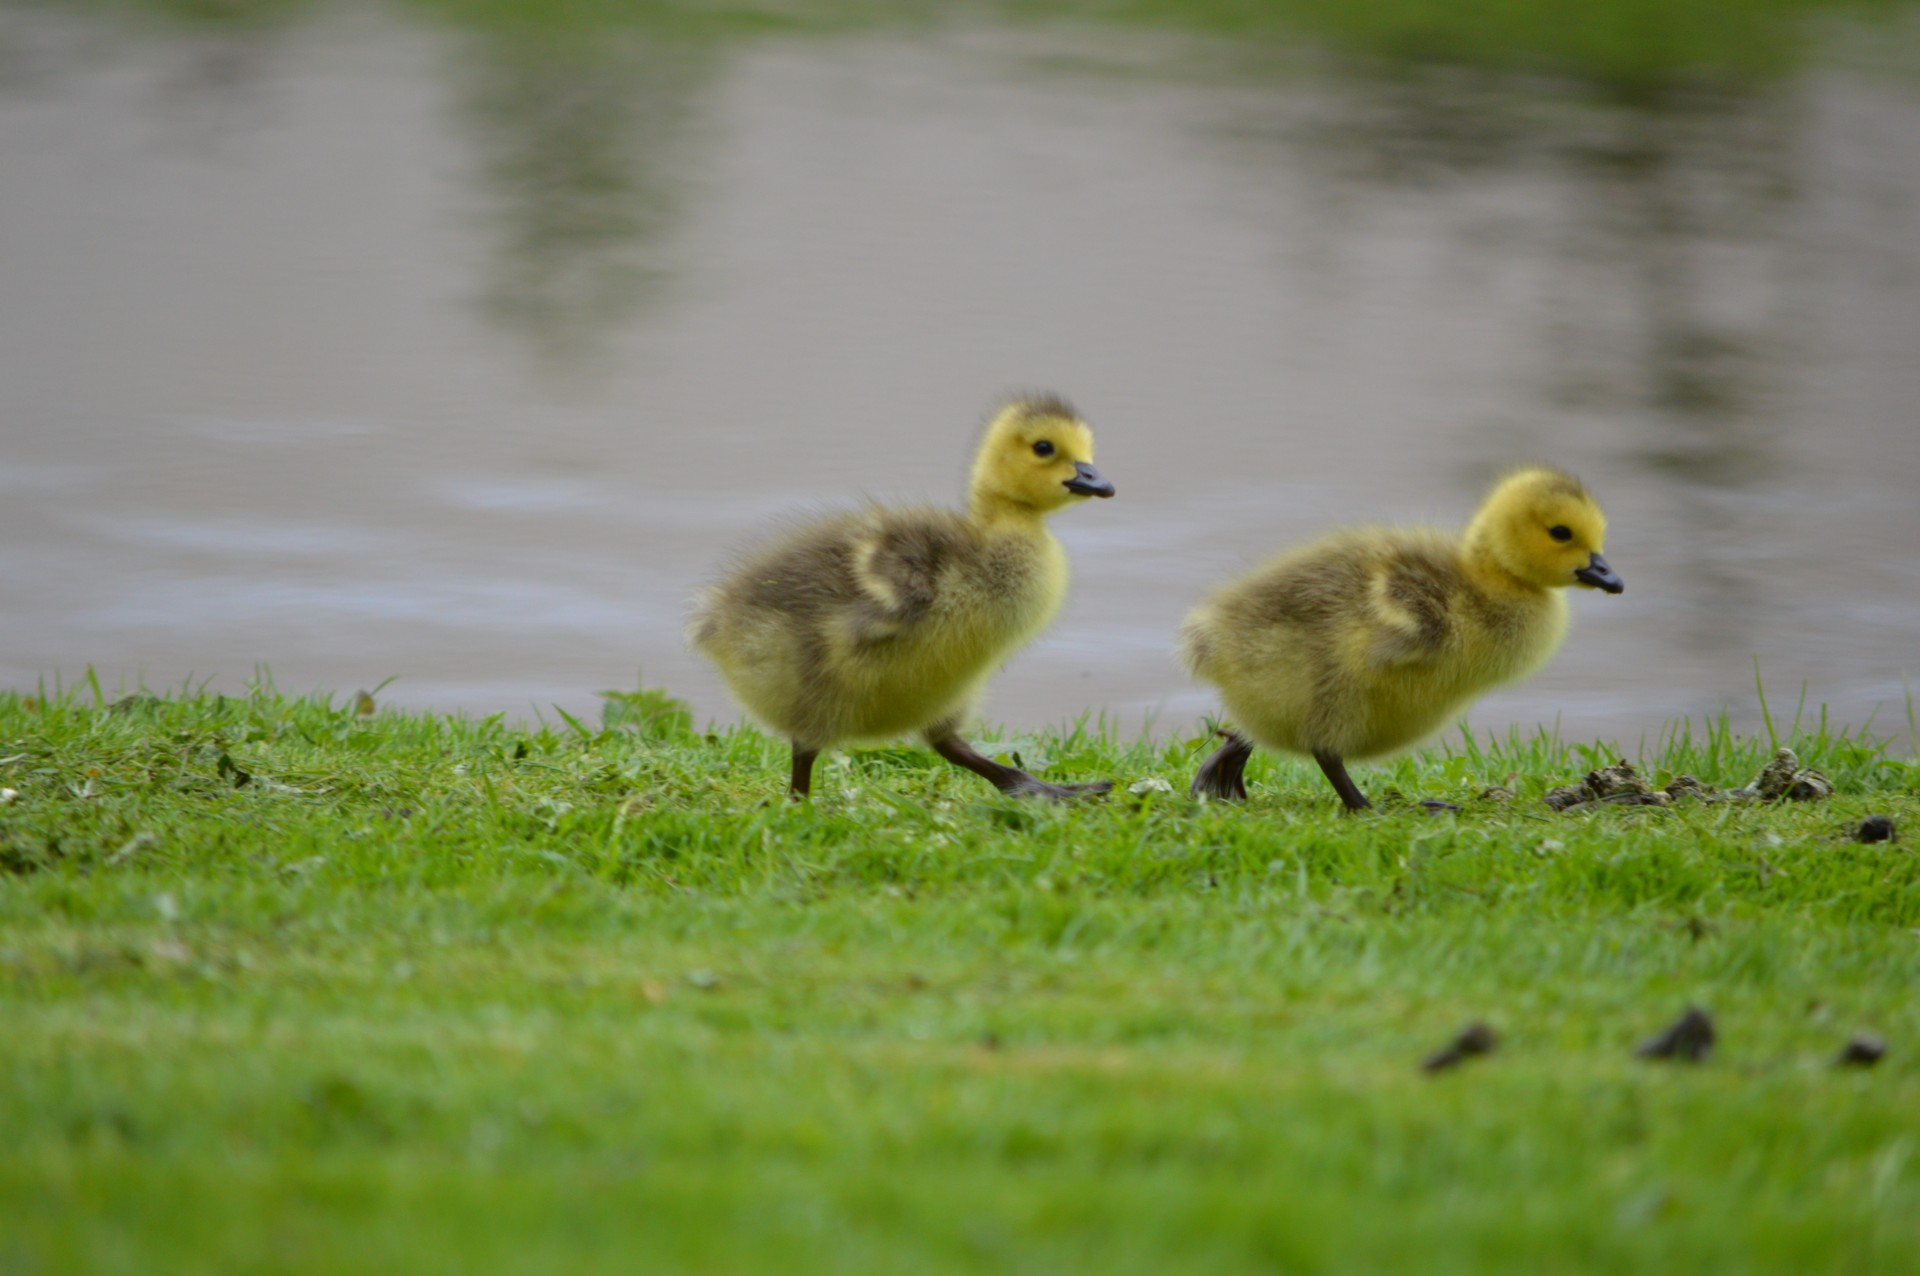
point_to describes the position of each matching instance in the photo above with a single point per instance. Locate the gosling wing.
(1408, 609)
(896, 569)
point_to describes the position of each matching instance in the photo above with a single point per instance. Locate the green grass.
(288, 989)
(1635, 47)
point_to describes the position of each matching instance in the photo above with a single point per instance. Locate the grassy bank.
(290, 989)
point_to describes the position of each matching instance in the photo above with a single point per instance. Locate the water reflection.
(436, 342)
(582, 138)
(1669, 239)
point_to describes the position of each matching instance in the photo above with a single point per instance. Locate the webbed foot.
(1010, 780)
(1022, 785)
(1223, 774)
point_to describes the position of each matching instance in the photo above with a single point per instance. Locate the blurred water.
(364, 347)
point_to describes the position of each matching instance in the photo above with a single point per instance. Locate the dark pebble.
(1875, 828)
(1865, 1050)
(1688, 1038)
(1475, 1038)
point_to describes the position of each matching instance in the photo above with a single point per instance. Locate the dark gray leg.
(1010, 781)
(1350, 792)
(802, 782)
(1343, 784)
(1222, 775)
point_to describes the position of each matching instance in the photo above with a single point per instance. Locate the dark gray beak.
(1086, 481)
(1597, 574)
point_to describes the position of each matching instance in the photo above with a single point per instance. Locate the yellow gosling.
(880, 622)
(1363, 642)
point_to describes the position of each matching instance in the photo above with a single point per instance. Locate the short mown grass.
(289, 988)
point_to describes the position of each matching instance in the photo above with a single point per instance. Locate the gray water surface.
(363, 349)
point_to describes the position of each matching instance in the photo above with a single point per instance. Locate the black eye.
(1561, 533)
(1043, 448)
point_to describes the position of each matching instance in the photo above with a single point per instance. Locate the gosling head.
(1037, 456)
(1541, 526)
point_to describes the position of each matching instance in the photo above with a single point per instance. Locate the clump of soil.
(1611, 783)
(1566, 796)
(1689, 787)
(1783, 780)
(1616, 785)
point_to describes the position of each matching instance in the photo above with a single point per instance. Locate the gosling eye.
(1561, 532)
(1043, 448)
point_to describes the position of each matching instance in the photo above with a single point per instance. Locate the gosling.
(1363, 642)
(880, 622)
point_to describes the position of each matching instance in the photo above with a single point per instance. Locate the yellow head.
(1037, 456)
(1542, 527)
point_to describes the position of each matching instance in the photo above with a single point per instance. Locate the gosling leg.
(802, 782)
(1223, 775)
(1343, 784)
(1350, 792)
(1009, 780)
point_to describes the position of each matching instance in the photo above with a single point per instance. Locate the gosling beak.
(1597, 574)
(1086, 481)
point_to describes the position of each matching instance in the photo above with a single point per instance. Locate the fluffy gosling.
(875, 623)
(1363, 642)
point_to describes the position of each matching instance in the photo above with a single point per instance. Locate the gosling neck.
(993, 512)
(1492, 575)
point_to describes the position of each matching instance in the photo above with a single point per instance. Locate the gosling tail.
(1195, 650)
(703, 622)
